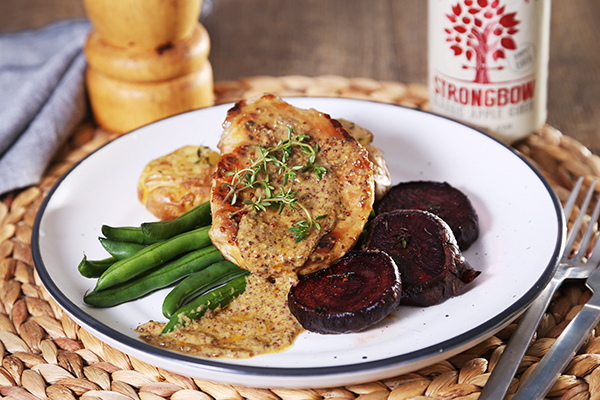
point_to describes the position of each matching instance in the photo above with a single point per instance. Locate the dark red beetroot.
(359, 290)
(439, 198)
(425, 251)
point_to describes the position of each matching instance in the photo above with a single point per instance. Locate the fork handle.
(540, 381)
(506, 368)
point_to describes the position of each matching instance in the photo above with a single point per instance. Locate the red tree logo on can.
(482, 31)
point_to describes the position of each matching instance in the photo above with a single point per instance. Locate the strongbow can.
(488, 63)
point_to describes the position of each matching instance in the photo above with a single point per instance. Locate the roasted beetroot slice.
(439, 198)
(425, 250)
(359, 290)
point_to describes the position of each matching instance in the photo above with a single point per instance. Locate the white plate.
(522, 236)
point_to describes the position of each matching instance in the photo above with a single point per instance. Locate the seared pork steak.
(309, 219)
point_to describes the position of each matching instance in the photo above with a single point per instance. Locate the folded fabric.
(42, 98)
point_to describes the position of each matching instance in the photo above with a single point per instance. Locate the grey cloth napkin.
(42, 98)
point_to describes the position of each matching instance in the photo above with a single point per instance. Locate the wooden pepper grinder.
(147, 60)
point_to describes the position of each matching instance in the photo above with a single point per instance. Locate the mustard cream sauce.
(256, 322)
(264, 239)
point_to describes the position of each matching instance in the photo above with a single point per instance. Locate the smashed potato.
(175, 183)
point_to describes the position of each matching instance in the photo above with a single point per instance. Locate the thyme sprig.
(256, 176)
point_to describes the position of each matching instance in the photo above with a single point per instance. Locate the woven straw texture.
(45, 355)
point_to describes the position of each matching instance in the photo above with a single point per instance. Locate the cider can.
(488, 64)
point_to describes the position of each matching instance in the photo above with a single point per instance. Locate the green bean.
(120, 250)
(159, 278)
(199, 283)
(94, 268)
(153, 232)
(219, 297)
(152, 256)
(194, 218)
(131, 234)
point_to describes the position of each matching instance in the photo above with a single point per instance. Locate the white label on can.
(488, 63)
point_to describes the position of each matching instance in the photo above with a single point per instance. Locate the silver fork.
(569, 268)
(540, 381)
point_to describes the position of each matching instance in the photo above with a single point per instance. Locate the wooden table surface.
(379, 39)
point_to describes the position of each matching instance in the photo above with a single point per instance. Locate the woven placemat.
(46, 355)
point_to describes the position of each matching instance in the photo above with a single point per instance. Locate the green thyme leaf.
(257, 177)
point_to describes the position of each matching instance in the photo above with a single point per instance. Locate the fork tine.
(577, 224)
(568, 208)
(595, 256)
(589, 232)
